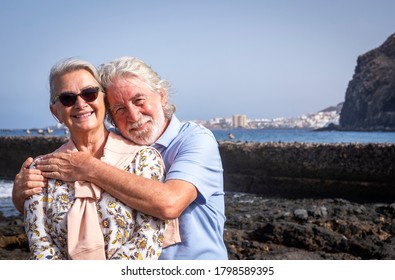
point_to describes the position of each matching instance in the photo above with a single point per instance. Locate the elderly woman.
(77, 220)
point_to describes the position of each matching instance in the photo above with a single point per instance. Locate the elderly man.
(193, 189)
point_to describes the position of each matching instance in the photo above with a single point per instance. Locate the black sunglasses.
(68, 98)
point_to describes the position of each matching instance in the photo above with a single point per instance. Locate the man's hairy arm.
(26, 183)
(163, 200)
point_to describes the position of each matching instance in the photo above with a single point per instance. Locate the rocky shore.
(283, 200)
(261, 228)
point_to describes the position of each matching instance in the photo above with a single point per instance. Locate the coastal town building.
(308, 121)
(239, 121)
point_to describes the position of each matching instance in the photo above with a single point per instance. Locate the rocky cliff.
(370, 97)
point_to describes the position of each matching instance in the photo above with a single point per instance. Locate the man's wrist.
(91, 169)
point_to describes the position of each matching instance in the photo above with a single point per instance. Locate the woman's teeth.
(83, 115)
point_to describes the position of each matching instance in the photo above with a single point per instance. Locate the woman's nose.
(80, 102)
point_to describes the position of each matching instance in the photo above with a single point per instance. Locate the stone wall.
(362, 172)
(14, 151)
(352, 171)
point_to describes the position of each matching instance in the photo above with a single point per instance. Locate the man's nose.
(133, 113)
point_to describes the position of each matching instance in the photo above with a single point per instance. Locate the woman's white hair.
(66, 66)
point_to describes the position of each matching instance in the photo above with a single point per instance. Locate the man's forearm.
(163, 200)
(145, 195)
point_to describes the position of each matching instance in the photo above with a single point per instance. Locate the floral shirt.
(128, 234)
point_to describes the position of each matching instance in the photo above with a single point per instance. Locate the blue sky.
(261, 58)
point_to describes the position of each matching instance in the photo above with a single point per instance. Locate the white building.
(239, 121)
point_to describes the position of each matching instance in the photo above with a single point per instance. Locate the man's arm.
(27, 182)
(163, 200)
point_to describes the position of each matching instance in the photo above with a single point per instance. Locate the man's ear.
(163, 97)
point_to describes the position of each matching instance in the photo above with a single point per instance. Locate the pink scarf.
(84, 235)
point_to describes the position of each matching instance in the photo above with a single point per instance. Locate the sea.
(236, 135)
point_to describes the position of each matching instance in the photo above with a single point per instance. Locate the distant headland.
(369, 103)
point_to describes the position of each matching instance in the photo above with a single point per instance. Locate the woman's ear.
(55, 114)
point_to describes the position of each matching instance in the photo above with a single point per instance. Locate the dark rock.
(261, 228)
(363, 172)
(13, 241)
(15, 150)
(298, 201)
(301, 214)
(347, 230)
(370, 96)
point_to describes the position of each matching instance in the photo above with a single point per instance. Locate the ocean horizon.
(256, 135)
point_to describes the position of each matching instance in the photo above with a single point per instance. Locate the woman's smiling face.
(83, 116)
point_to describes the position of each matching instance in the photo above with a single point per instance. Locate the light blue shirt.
(190, 153)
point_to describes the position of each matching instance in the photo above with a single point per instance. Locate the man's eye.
(119, 110)
(139, 102)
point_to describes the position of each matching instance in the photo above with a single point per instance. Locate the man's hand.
(27, 182)
(65, 166)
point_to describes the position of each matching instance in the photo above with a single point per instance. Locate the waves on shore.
(5, 188)
(6, 206)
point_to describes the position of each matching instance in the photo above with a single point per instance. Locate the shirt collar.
(170, 133)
